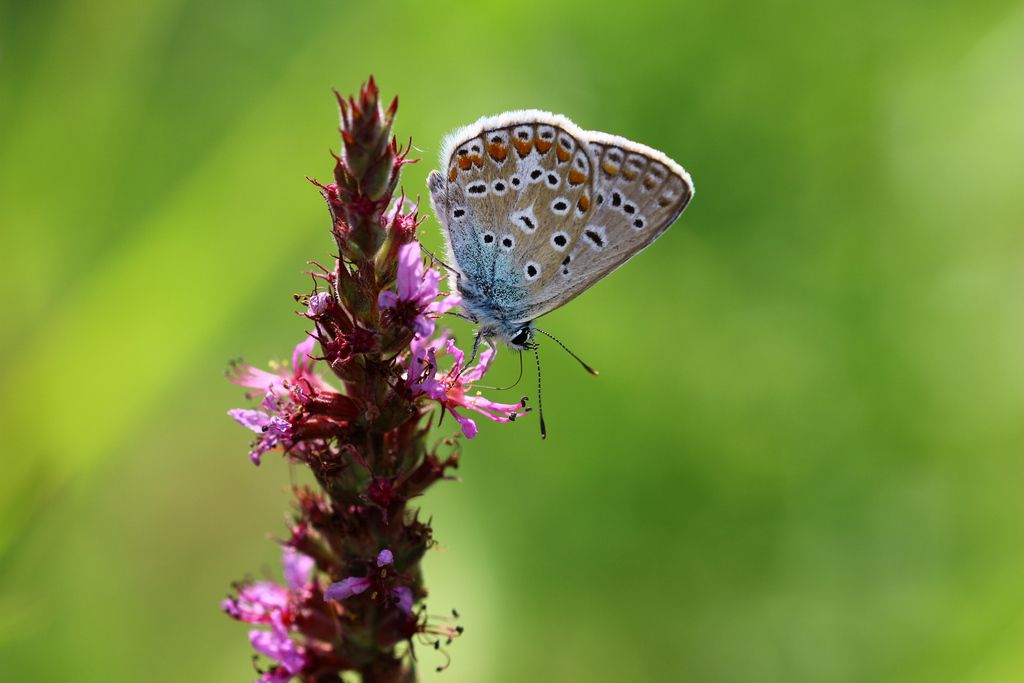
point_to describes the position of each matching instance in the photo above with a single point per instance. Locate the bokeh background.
(802, 460)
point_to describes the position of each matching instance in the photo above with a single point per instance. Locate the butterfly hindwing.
(536, 210)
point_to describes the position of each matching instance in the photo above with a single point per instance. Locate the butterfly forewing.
(537, 210)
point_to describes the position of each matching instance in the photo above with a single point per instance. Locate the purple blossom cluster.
(355, 405)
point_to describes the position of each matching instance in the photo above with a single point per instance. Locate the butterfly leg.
(462, 316)
(472, 356)
(433, 257)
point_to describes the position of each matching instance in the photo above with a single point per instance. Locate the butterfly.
(535, 210)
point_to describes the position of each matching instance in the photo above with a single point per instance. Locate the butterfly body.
(535, 210)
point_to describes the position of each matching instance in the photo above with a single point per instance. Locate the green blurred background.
(802, 460)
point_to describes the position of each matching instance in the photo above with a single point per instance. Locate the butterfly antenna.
(540, 403)
(586, 367)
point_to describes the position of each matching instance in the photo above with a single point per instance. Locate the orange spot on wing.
(453, 174)
(610, 168)
(583, 203)
(476, 159)
(497, 151)
(542, 145)
(649, 183)
(576, 177)
(465, 163)
(563, 153)
(629, 174)
(522, 146)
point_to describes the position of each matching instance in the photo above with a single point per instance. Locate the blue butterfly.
(535, 210)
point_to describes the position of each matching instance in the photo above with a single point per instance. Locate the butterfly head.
(518, 336)
(522, 339)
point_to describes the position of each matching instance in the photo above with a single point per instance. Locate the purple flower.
(276, 644)
(318, 304)
(277, 383)
(415, 301)
(255, 420)
(257, 602)
(273, 430)
(451, 388)
(354, 585)
(269, 603)
(283, 391)
(348, 587)
(260, 602)
(403, 598)
(298, 568)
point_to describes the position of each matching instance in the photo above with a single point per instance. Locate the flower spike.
(355, 404)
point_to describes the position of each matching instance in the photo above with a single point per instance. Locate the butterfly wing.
(473, 200)
(548, 209)
(636, 194)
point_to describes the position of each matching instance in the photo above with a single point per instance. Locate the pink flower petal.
(248, 376)
(318, 304)
(257, 602)
(278, 646)
(410, 271)
(346, 588)
(403, 598)
(387, 299)
(469, 427)
(302, 364)
(427, 289)
(250, 419)
(276, 675)
(298, 568)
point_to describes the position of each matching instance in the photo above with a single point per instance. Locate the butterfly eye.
(521, 337)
